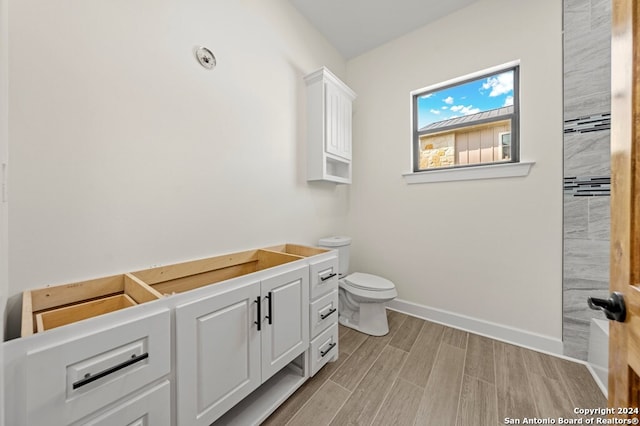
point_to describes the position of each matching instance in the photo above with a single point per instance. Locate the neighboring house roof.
(469, 119)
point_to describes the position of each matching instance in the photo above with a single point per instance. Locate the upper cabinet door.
(285, 333)
(337, 121)
(217, 353)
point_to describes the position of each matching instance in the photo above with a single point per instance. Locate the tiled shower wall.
(587, 106)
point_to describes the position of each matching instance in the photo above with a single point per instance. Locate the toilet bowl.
(361, 297)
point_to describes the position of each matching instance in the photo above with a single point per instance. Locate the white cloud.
(434, 111)
(448, 100)
(508, 101)
(427, 96)
(445, 107)
(465, 110)
(500, 84)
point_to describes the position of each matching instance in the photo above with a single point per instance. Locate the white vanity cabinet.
(329, 127)
(225, 339)
(229, 343)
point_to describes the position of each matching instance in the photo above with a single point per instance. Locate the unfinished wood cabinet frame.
(80, 296)
(51, 307)
(182, 277)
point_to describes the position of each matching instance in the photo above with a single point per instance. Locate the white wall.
(489, 249)
(4, 142)
(126, 153)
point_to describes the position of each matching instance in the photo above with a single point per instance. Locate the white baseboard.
(599, 374)
(527, 339)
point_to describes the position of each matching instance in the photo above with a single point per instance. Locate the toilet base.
(371, 319)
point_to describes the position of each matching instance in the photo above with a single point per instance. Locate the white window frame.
(500, 145)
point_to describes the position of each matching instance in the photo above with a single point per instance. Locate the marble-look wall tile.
(574, 300)
(576, 217)
(586, 259)
(575, 340)
(581, 105)
(587, 154)
(576, 17)
(599, 218)
(587, 56)
(587, 81)
(587, 76)
(600, 12)
(588, 50)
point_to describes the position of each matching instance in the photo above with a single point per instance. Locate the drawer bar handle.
(324, 316)
(259, 322)
(270, 315)
(89, 378)
(328, 277)
(331, 346)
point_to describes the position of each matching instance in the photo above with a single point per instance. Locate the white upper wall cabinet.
(329, 111)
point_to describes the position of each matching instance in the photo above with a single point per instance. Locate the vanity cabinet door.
(217, 353)
(285, 333)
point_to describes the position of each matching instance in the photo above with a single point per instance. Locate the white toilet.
(362, 297)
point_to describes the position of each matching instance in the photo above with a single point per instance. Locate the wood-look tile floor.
(423, 373)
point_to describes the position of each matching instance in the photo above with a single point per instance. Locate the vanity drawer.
(323, 348)
(324, 277)
(323, 313)
(150, 408)
(78, 376)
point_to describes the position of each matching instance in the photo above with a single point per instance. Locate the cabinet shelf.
(256, 407)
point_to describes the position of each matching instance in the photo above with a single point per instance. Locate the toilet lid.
(368, 282)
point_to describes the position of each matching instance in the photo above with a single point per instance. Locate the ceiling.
(356, 26)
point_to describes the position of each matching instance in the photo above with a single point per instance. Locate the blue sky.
(469, 98)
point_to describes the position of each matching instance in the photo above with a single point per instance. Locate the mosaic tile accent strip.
(587, 186)
(589, 123)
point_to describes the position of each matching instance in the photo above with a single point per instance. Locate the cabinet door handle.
(259, 321)
(323, 316)
(327, 277)
(270, 314)
(331, 346)
(88, 378)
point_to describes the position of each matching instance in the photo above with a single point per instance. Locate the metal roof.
(469, 119)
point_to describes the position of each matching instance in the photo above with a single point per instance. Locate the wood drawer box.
(52, 307)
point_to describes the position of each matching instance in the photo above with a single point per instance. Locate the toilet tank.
(342, 244)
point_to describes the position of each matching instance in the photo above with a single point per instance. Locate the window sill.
(471, 173)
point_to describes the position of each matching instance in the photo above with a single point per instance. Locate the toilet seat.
(368, 288)
(369, 282)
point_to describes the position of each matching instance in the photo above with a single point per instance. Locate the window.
(469, 121)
